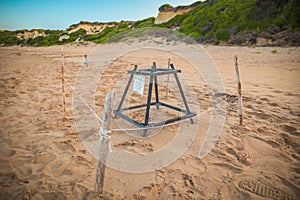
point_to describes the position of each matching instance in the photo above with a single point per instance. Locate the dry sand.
(42, 156)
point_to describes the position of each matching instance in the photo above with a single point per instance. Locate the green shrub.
(107, 33)
(123, 24)
(81, 33)
(291, 11)
(166, 7)
(222, 35)
(52, 38)
(8, 38)
(225, 14)
(78, 33)
(274, 51)
(149, 22)
(280, 21)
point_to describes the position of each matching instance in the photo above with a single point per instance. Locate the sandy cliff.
(165, 16)
(91, 28)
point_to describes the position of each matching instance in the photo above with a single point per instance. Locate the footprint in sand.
(81, 192)
(136, 146)
(60, 166)
(65, 146)
(6, 152)
(230, 167)
(190, 165)
(264, 189)
(43, 158)
(242, 158)
(82, 161)
(262, 114)
(196, 163)
(53, 195)
(168, 191)
(20, 160)
(5, 167)
(24, 171)
(6, 180)
(290, 129)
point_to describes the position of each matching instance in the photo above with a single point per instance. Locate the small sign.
(138, 84)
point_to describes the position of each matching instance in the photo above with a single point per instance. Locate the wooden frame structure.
(153, 73)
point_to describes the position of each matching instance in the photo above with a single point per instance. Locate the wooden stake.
(104, 143)
(63, 83)
(167, 91)
(240, 101)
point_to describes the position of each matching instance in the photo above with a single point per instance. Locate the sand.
(43, 157)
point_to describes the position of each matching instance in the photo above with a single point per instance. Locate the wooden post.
(240, 101)
(104, 142)
(168, 78)
(63, 83)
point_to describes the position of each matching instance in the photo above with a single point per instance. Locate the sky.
(60, 14)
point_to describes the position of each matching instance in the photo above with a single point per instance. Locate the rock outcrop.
(64, 37)
(167, 12)
(25, 34)
(91, 27)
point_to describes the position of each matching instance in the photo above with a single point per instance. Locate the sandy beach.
(42, 156)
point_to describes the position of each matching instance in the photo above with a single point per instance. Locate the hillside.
(274, 22)
(238, 22)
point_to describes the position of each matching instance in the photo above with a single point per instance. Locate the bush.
(8, 38)
(149, 22)
(274, 51)
(166, 7)
(123, 24)
(222, 35)
(78, 33)
(280, 21)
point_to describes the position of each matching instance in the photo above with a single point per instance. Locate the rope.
(143, 128)
(88, 75)
(87, 105)
(155, 127)
(104, 135)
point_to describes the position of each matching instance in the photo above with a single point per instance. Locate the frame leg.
(126, 89)
(156, 87)
(182, 94)
(148, 103)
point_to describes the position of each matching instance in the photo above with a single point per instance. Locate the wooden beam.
(63, 84)
(104, 142)
(239, 86)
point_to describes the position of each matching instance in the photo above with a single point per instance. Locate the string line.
(87, 105)
(183, 120)
(142, 128)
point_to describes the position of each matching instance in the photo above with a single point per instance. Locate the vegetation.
(222, 35)
(207, 19)
(51, 38)
(80, 34)
(166, 7)
(8, 37)
(149, 22)
(218, 20)
(274, 51)
(109, 32)
(224, 18)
